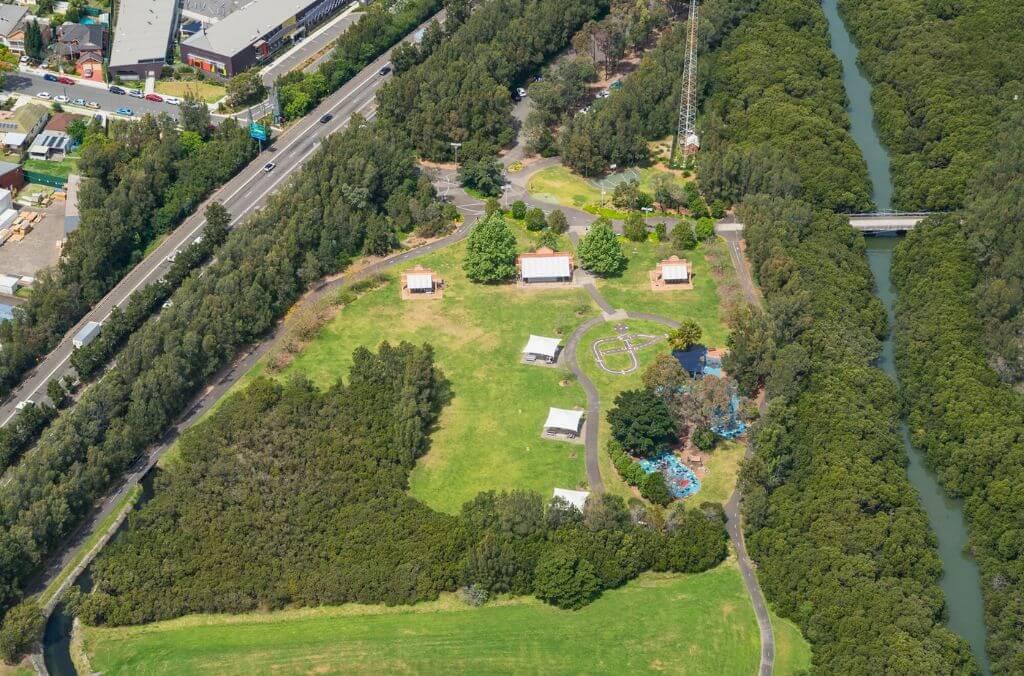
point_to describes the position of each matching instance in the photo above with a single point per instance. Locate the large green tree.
(563, 580)
(599, 251)
(491, 251)
(641, 422)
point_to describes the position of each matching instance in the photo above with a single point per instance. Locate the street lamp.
(456, 146)
(504, 189)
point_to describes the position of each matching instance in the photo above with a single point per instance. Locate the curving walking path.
(732, 508)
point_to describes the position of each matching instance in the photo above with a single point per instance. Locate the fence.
(46, 179)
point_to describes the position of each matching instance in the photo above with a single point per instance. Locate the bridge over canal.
(879, 221)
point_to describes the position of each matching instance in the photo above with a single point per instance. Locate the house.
(420, 282)
(21, 125)
(13, 19)
(59, 122)
(563, 423)
(541, 348)
(84, 45)
(12, 176)
(577, 499)
(672, 273)
(545, 266)
(50, 145)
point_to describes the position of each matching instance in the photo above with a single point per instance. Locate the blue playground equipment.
(727, 424)
(681, 481)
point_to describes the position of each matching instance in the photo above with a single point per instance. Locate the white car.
(60, 98)
(136, 94)
(603, 94)
(22, 405)
(521, 92)
(23, 59)
(43, 95)
(78, 102)
(173, 100)
(269, 167)
(93, 105)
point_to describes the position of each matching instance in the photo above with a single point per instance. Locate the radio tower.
(686, 134)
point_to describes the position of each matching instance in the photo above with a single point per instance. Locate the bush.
(703, 438)
(565, 581)
(557, 222)
(21, 629)
(518, 211)
(635, 228)
(535, 220)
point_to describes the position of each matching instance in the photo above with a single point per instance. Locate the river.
(961, 581)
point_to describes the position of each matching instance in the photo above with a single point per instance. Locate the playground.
(618, 354)
(682, 482)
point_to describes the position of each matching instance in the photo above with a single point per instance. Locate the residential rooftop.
(142, 32)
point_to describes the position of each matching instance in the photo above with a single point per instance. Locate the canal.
(961, 581)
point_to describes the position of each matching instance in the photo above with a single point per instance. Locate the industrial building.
(142, 38)
(253, 34)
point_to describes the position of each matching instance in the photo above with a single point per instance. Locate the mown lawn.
(692, 624)
(489, 436)
(63, 168)
(205, 91)
(632, 291)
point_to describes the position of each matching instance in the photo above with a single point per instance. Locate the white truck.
(87, 334)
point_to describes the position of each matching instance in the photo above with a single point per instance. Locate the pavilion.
(544, 350)
(545, 266)
(577, 499)
(563, 423)
(672, 273)
(419, 282)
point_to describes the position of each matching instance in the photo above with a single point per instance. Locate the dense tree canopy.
(969, 424)
(774, 116)
(944, 73)
(462, 92)
(491, 251)
(833, 522)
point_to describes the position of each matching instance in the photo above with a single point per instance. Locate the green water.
(960, 582)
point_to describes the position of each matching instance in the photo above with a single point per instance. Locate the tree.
(548, 239)
(635, 228)
(56, 392)
(246, 88)
(705, 229)
(194, 115)
(686, 336)
(518, 210)
(627, 195)
(218, 220)
(667, 190)
(34, 40)
(535, 219)
(564, 580)
(483, 175)
(599, 251)
(44, 7)
(77, 129)
(660, 232)
(491, 251)
(492, 206)
(654, 489)
(380, 238)
(21, 628)
(557, 222)
(703, 438)
(683, 238)
(642, 423)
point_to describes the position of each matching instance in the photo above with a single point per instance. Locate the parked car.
(22, 405)
(64, 79)
(167, 304)
(173, 100)
(135, 93)
(154, 97)
(521, 92)
(93, 105)
(269, 167)
(324, 119)
(60, 98)
(127, 112)
(23, 59)
(616, 85)
(603, 94)
(78, 102)
(43, 95)
(50, 77)
(114, 89)
(385, 70)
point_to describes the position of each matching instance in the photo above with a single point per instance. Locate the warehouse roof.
(238, 30)
(142, 31)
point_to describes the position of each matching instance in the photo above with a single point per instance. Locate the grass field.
(61, 169)
(632, 291)
(489, 436)
(692, 624)
(561, 185)
(206, 91)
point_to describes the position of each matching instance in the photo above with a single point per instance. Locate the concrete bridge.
(881, 221)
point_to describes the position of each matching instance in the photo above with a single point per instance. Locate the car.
(93, 105)
(50, 77)
(269, 167)
(64, 79)
(154, 97)
(385, 70)
(43, 95)
(127, 112)
(22, 405)
(167, 304)
(136, 94)
(198, 240)
(173, 100)
(521, 92)
(324, 119)
(60, 98)
(603, 94)
(114, 89)
(171, 257)
(78, 102)
(616, 85)
(23, 59)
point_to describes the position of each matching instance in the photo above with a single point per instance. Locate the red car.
(65, 80)
(155, 97)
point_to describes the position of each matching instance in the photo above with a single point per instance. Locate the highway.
(241, 195)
